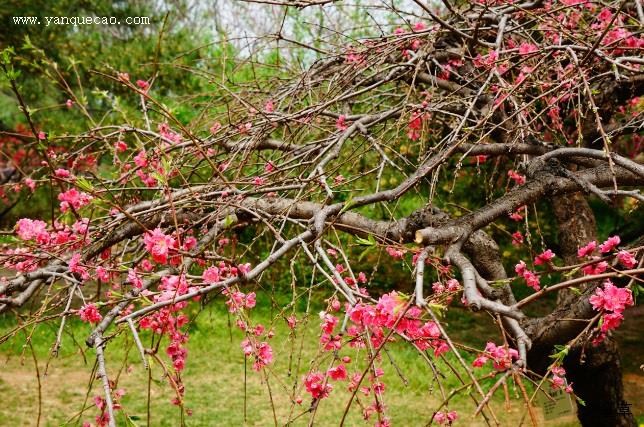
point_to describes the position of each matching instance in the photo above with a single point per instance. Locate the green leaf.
(84, 184)
(571, 272)
(370, 241)
(228, 221)
(363, 254)
(129, 421)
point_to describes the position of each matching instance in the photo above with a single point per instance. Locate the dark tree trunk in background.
(597, 376)
(576, 225)
(594, 371)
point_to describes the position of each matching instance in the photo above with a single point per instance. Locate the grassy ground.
(220, 388)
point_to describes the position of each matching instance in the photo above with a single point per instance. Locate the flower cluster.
(159, 245)
(625, 257)
(530, 277)
(445, 417)
(73, 199)
(501, 356)
(316, 384)
(29, 229)
(612, 301)
(89, 313)
(238, 300)
(262, 351)
(516, 177)
(390, 313)
(558, 381)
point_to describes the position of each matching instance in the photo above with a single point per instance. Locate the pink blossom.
(269, 107)
(134, 279)
(75, 267)
(395, 253)
(587, 250)
(611, 298)
(158, 245)
(517, 238)
(559, 370)
(141, 159)
(378, 388)
(80, 226)
(520, 268)
(247, 347)
(440, 418)
(516, 216)
(89, 313)
(42, 135)
(338, 373)
(611, 321)
(527, 48)
(269, 167)
(331, 342)
(480, 361)
(596, 268)
(329, 322)
(544, 258)
(626, 259)
(605, 15)
(341, 123)
(215, 128)
(362, 278)
(146, 265)
(211, 275)
(557, 382)
(28, 229)
(258, 180)
(120, 146)
(102, 274)
(62, 173)
(453, 285)
(143, 84)
(244, 128)
(291, 321)
(419, 26)
(315, 385)
(438, 287)
(263, 357)
(501, 357)
(610, 244)
(74, 199)
(414, 126)
(69, 103)
(250, 300)
(532, 280)
(167, 133)
(30, 184)
(516, 177)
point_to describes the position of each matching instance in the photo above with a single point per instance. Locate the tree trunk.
(597, 376)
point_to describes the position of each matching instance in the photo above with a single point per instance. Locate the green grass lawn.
(220, 388)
